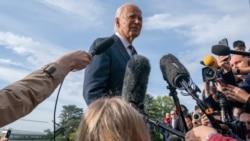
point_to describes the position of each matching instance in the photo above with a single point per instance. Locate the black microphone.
(173, 71)
(223, 105)
(174, 138)
(135, 81)
(223, 50)
(177, 75)
(102, 46)
(135, 86)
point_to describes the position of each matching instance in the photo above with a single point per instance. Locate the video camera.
(209, 74)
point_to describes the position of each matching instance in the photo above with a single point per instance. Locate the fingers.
(74, 61)
(236, 94)
(81, 60)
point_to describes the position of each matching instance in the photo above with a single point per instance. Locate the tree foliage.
(69, 121)
(156, 109)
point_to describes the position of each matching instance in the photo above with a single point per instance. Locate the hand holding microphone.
(80, 59)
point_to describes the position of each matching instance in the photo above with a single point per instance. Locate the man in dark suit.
(104, 76)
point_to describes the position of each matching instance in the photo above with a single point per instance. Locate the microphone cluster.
(177, 76)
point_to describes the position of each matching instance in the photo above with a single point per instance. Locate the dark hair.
(185, 112)
(239, 43)
(188, 116)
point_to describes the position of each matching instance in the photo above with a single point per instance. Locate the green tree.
(70, 118)
(156, 109)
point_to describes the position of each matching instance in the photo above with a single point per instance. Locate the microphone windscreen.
(173, 71)
(102, 46)
(136, 80)
(220, 50)
(174, 138)
(210, 61)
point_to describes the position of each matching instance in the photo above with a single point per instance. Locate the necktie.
(132, 50)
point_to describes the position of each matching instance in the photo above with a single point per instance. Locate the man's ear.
(117, 22)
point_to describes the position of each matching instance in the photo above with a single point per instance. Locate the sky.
(36, 32)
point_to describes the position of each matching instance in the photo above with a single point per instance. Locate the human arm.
(226, 72)
(205, 133)
(21, 97)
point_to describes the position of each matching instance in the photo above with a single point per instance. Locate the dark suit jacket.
(104, 75)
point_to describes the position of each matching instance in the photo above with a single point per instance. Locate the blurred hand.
(236, 94)
(4, 139)
(74, 61)
(223, 63)
(204, 120)
(220, 85)
(199, 133)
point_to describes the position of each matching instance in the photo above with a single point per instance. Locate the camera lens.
(196, 116)
(209, 74)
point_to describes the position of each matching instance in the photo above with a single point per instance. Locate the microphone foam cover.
(210, 61)
(173, 71)
(136, 80)
(221, 50)
(102, 46)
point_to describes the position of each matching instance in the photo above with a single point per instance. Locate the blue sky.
(36, 32)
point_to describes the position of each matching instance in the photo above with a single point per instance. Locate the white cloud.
(9, 62)
(36, 53)
(9, 75)
(91, 12)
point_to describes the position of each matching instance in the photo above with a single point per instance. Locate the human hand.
(236, 94)
(4, 139)
(199, 133)
(74, 61)
(204, 120)
(220, 85)
(223, 63)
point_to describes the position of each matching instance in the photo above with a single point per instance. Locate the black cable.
(54, 117)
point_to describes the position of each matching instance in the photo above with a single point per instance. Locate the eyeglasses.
(173, 114)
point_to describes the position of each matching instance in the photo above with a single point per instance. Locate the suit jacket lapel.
(120, 47)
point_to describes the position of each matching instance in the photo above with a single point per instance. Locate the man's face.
(173, 114)
(239, 61)
(167, 115)
(129, 23)
(189, 123)
(245, 117)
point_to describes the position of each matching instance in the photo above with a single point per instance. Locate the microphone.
(173, 71)
(135, 81)
(178, 76)
(102, 46)
(223, 104)
(210, 61)
(223, 50)
(174, 138)
(135, 86)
